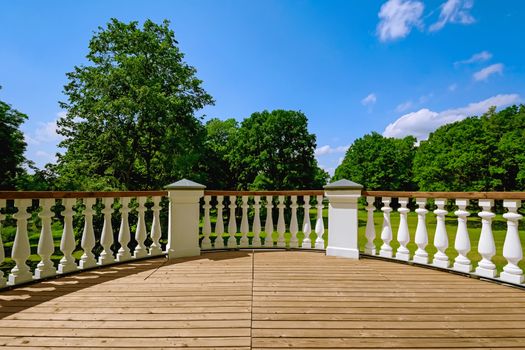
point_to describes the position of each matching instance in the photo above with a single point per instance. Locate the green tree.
(12, 146)
(274, 150)
(130, 120)
(379, 163)
(484, 153)
(220, 135)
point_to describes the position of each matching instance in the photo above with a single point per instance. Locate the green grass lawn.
(474, 226)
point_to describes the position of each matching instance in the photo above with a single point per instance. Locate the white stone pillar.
(386, 231)
(486, 245)
(462, 242)
(183, 220)
(512, 250)
(342, 218)
(403, 236)
(441, 237)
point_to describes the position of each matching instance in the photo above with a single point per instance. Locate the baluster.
(245, 227)
(403, 236)
(219, 225)
(441, 237)
(386, 231)
(232, 224)
(307, 225)
(46, 245)
(106, 239)
(370, 233)
(319, 224)
(281, 226)
(421, 238)
(256, 242)
(206, 226)
(486, 245)
(67, 243)
(88, 236)
(512, 250)
(294, 226)
(2, 252)
(156, 233)
(462, 242)
(268, 227)
(124, 236)
(21, 249)
(140, 233)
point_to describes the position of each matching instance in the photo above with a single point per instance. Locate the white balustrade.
(124, 235)
(2, 252)
(386, 231)
(462, 242)
(219, 224)
(441, 236)
(67, 242)
(421, 237)
(46, 245)
(87, 260)
(268, 227)
(140, 233)
(486, 245)
(21, 249)
(512, 250)
(155, 234)
(106, 239)
(256, 242)
(319, 224)
(281, 227)
(403, 236)
(370, 232)
(245, 227)
(294, 226)
(232, 224)
(206, 226)
(307, 225)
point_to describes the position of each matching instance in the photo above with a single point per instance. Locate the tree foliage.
(379, 163)
(274, 150)
(220, 135)
(130, 120)
(484, 153)
(12, 146)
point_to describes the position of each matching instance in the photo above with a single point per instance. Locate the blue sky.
(397, 67)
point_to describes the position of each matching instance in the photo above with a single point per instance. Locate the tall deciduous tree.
(12, 146)
(220, 135)
(379, 163)
(130, 120)
(274, 150)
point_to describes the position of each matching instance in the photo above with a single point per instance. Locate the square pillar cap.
(185, 185)
(343, 184)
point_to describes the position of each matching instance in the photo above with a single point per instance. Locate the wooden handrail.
(77, 194)
(264, 193)
(446, 195)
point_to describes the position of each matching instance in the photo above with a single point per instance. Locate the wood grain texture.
(263, 300)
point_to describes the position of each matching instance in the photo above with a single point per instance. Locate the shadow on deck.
(266, 299)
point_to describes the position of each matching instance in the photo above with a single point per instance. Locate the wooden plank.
(264, 193)
(76, 194)
(447, 195)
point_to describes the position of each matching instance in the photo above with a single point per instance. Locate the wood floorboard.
(241, 300)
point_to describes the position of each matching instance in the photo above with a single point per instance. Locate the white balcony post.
(512, 250)
(106, 239)
(206, 226)
(87, 243)
(403, 236)
(2, 252)
(281, 226)
(386, 232)
(183, 221)
(155, 248)
(307, 226)
(268, 226)
(124, 235)
(256, 226)
(21, 248)
(46, 245)
(486, 245)
(370, 232)
(421, 238)
(319, 224)
(342, 218)
(294, 226)
(219, 224)
(245, 226)
(67, 243)
(462, 242)
(441, 237)
(232, 223)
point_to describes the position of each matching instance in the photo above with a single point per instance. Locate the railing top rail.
(447, 195)
(264, 193)
(77, 194)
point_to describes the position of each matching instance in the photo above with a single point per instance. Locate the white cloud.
(398, 17)
(369, 100)
(327, 149)
(45, 132)
(488, 71)
(477, 57)
(452, 87)
(424, 121)
(46, 157)
(404, 106)
(454, 11)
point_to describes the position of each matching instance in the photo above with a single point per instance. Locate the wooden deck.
(243, 300)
